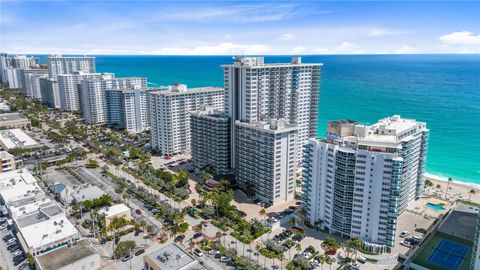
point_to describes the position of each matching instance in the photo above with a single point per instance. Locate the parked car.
(198, 252)
(298, 237)
(3, 226)
(139, 252)
(11, 241)
(126, 258)
(179, 238)
(197, 235)
(7, 237)
(406, 243)
(225, 259)
(421, 230)
(404, 234)
(361, 259)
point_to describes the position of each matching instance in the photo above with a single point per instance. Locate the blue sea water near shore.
(442, 90)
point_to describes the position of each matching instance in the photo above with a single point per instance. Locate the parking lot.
(6, 255)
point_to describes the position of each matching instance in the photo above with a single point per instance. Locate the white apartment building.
(93, 94)
(475, 263)
(11, 76)
(266, 159)
(29, 82)
(58, 64)
(69, 88)
(360, 178)
(170, 115)
(24, 62)
(50, 92)
(128, 109)
(255, 91)
(210, 145)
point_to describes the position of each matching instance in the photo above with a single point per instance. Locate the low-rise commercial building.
(118, 210)
(266, 159)
(81, 193)
(14, 120)
(170, 257)
(7, 162)
(79, 256)
(41, 224)
(210, 141)
(16, 138)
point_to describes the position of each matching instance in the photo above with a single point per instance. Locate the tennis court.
(448, 255)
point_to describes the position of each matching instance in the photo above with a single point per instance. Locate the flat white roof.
(18, 211)
(18, 184)
(5, 155)
(12, 138)
(48, 231)
(114, 210)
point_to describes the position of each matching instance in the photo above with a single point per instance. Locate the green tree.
(124, 248)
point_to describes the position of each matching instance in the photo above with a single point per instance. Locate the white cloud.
(298, 50)
(347, 46)
(225, 48)
(380, 32)
(461, 38)
(287, 36)
(405, 49)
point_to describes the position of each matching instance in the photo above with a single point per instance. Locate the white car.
(224, 259)
(3, 226)
(405, 243)
(198, 252)
(404, 234)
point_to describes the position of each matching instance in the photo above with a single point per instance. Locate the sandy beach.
(456, 190)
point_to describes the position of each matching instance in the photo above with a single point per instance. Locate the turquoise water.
(442, 90)
(436, 207)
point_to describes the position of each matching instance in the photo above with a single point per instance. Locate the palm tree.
(298, 247)
(329, 261)
(321, 260)
(472, 191)
(263, 213)
(448, 184)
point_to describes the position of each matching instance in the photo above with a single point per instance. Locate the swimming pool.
(436, 207)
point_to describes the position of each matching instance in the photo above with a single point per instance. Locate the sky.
(239, 27)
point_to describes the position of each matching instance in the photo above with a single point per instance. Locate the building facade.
(266, 159)
(7, 162)
(128, 109)
(58, 64)
(50, 92)
(210, 143)
(360, 178)
(93, 93)
(11, 77)
(69, 88)
(29, 82)
(256, 91)
(170, 115)
(475, 263)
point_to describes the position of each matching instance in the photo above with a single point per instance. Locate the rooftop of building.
(259, 61)
(28, 207)
(69, 56)
(48, 231)
(5, 155)
(210, 111)
(182, 89)
(114, 210)
(12, 138)
(64, 256)
(85, 192)
(12, 117)
(172, 257)
(43, 213)
(15, 186)
(387, 132)
(270, 125)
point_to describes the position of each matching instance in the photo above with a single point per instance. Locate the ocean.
(442, 90)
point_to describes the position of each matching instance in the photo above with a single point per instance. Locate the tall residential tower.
(360, 178)
(170, 115)
(256, 91)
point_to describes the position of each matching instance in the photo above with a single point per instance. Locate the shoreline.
(444, 179)
(456, 190)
